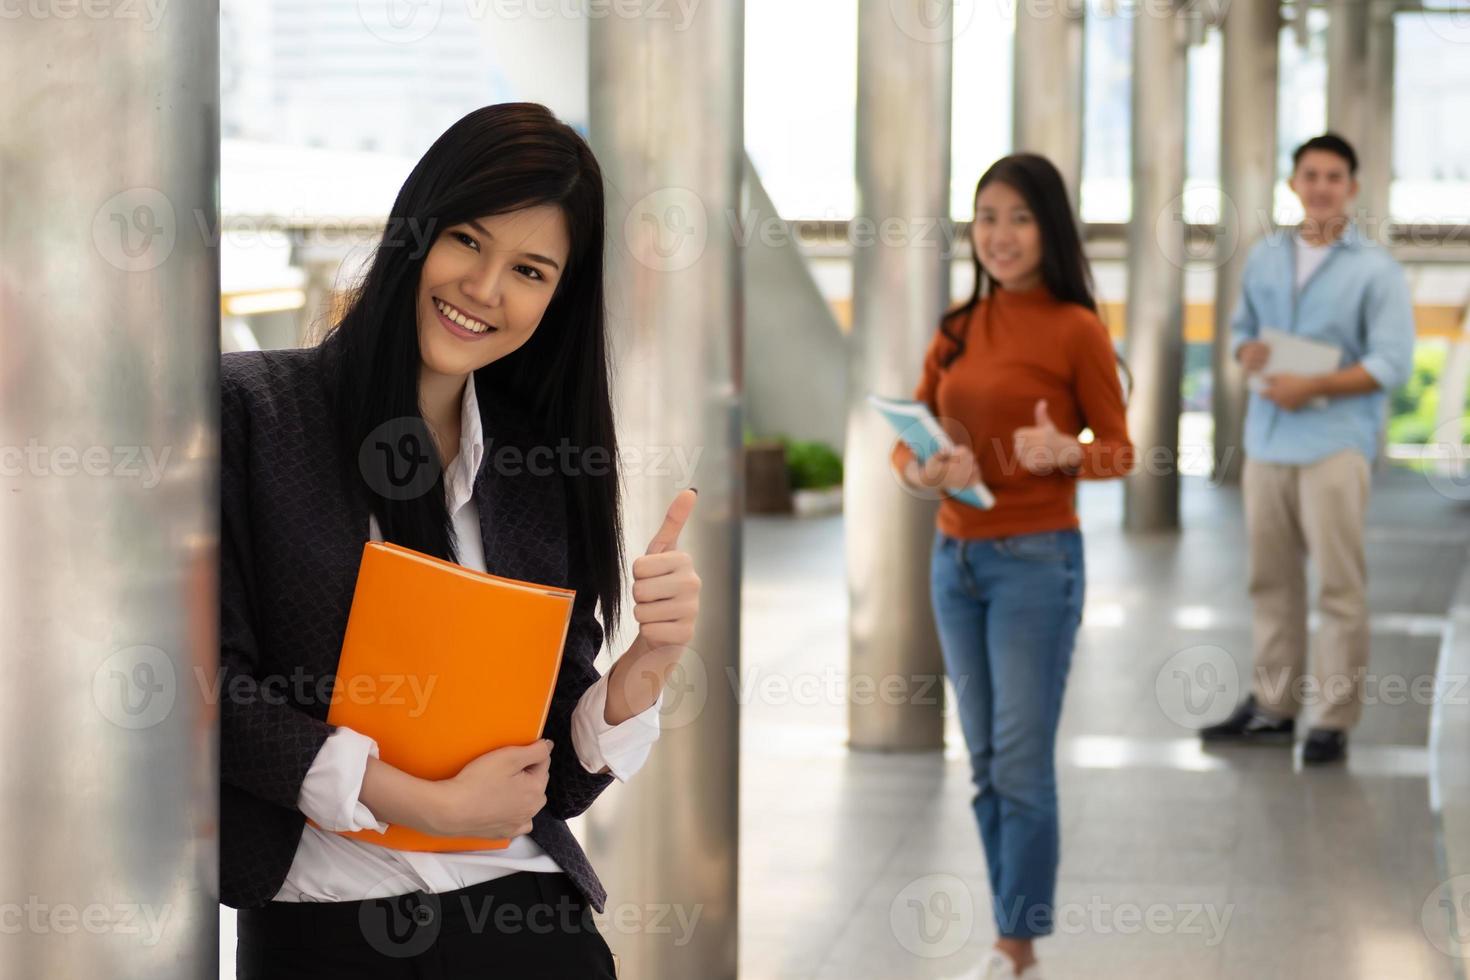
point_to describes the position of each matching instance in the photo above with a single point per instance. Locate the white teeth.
(474, 326)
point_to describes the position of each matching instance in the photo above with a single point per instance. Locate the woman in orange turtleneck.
(1014, 375)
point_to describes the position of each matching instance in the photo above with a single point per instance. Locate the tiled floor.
(1177, 863)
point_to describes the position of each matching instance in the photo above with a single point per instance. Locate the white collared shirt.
(331, 868)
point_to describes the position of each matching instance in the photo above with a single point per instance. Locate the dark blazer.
(291, 538)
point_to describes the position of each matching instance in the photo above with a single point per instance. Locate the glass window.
(1431, 154)
(982, 99)
(1301, 103)
(1107, 155)
(800, 99)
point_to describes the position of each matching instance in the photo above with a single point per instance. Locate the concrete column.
(900, 290)
(109, 352)
(1048, 100)
(1250, 64)
(1155, 330)
(666, 121)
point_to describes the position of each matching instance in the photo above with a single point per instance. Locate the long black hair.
(495, 160)
(1064, 266)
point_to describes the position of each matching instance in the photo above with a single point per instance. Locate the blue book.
(920, 430)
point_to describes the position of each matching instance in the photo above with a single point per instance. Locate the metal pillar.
(1449, 418)
(109, 326)
(1155, 332)
(1347, 69)
(1250, 64)
(1048, 100)
(1360, 68)
(666, 121)
(1376, 150)
(900, 289)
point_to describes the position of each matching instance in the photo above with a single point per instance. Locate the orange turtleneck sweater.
(1021, 347)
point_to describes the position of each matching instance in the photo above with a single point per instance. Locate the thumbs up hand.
(665, 586)
(665, 605)
(1042, 448)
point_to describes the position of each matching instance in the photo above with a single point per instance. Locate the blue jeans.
(1007, 610)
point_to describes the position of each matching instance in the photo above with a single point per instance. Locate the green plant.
(812, 464)
(1410, 430)
(1414, 407)
(1428, 365)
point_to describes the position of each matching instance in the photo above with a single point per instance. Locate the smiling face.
(1006, 236)
(485, 285)
(1325, 184)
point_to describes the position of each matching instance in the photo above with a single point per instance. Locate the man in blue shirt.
(1309, 440)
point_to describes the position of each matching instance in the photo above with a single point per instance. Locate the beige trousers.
(1292, 512)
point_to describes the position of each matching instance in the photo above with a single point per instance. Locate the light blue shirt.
(1357, 299)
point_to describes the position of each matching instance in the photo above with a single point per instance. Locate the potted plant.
(815, 473)
(767, 482)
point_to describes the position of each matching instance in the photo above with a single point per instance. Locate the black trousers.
(524, 926)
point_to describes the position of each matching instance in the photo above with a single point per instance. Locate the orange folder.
(441, 664)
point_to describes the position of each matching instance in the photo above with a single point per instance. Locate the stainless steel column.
(1048, 101)
(1155, 331)
(666, 119)
(1347, 69)
(1375, 150)
(1251, 33)
(109, 325)
(1360, 69)
(1449, 417)
(900, 289)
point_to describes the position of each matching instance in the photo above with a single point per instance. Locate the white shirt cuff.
(622, 749)
(330, 791)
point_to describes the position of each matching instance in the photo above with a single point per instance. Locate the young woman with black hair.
(1015, 374)
(460, 407)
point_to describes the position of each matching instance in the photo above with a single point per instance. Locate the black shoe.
(1323, 745)
(1250, 724)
